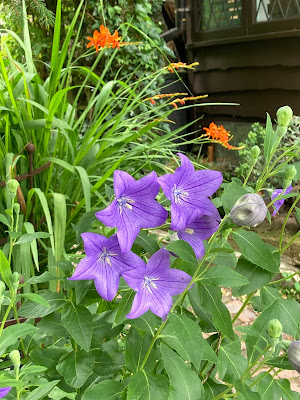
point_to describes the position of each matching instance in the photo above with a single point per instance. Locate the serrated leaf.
(185, 383)
(185, 336)
(255, 250)
(224, 276)
(76, 367)
(147, 242)
(146, 386)
(34, 297)
(183, 250)
(105, 390)
(31, 309)
(78, 322)
(52, 325)
(231, 365)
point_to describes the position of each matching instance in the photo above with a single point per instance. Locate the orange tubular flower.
(104, 39)
(220, 135)
(180, 64)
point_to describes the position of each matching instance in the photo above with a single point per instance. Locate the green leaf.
(147, 242)
(49, 356)
(185, 336)
(212, 300)
(52, 325)
(224, 276)
(81, 289)
(231, 364)
(145, 386)
(32, 369)
(124, 307)
(103, 329)
(185, 383)
(136, 348)
(232, 192)
(5, 270)
(256, 276)
(146, 322)
(208, 353)
(256, 251)
(85, 223)
(4, 220)
(31, 309)
(287, 393)
(105, 390)
(86, 186)
(34, 297)
(183, 250)
(5, 381)
(269, 139)
(268, 388)
(76, 367)
(212, 389)
(78, 322)
(29, 237)
(205, 317)
(245, 390)
(280, 362)
(45, 277)
(42, 391)
(11, 334)
(58, 394)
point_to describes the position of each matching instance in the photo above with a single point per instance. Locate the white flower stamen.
(189, 230)
(105, 256)
(124, 201)
(148, 283)
(179, 194)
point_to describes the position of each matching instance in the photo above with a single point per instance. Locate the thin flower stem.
(286, 219)
(248, 175)
(254, 363)
(243, 307)
(5, 317)
(290, 242)
(18, 322)
(193, 280)
(261, 377)
(283, 279)
(221, 395)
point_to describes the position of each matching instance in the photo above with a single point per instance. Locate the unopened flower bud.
(294, 355)
(12, 186)
(255, 151)
(2, 288)
(274, 328)
(15, 358)
(249, 210)
(290, 172)
(284, 115)
(17, 208)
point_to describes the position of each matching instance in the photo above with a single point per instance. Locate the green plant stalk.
(243, 307)
(290, 242)
(283, 279)
(193, 280)
(254, 362)
(5, 316)
(18, 322)
(286, 219)
(249, 173)
(261, 377)
(221, 395)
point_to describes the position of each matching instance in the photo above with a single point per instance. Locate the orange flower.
(180, 64)
(104, 39)
(220, 135)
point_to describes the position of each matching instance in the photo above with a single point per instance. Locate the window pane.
(272, 10)
(219, 14)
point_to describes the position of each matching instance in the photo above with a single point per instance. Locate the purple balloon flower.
(277, 204)
(104, 262)
(134, 208)
(4, 391)
(199, 227)
(155, 284)
(189, 190)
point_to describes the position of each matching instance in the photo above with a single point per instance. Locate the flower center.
(149, 284)
(105, 256)
(179, 194)
(189, 230)
(123, 201)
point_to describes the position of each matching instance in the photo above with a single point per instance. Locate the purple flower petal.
(188, 190)
(134, 208)
(4, 391)
(107, 282)
(105, 264)
(155, 285)
(277, 204)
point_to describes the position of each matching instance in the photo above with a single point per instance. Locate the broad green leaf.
(105, 390)
(31, 309)
(76, 367)
(280, 362)
(124, 307)
(208, 353)
(255, 250)
(32, 369)
(185, 383)
(287, 393)
(136, 348)
(81, 289)
(58, 394)
(212, 300)
(223, 257)
(5, 269)
(145, 322)
(85, 223)
(103, 329)
(212, 389)
(224, 276)
(51, 325)
(86, 186)
(245, 390)
(232, 364)
(4, 220)
(183, 250)
(147, 242)
(232, 192)
(29, 237)
(256, 276)
(5, 382)
(78, 322)
(205, 317)
(45, 277)
(34, 297)
(185, 336)
(42, 391)
(11, 334)
(49, 356)
(268, 388)
(145, 386)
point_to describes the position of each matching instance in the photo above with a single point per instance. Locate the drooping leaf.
(146, 386)
(12, 333)
(183, 250)
(224, 276)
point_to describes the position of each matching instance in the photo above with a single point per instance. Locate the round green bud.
(15, 358)
(2, 288)
(286, 183)
(12, 186)
(255, 151)
(274, 328)
(17, 208)
(284, 115)
(290, 172)
(15, 277)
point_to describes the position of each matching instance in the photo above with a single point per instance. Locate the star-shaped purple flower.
(189, 190)
(199, 227)
(155, 284)
(104, 262)
(4, 391)
(134, 208)
(278, 203)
